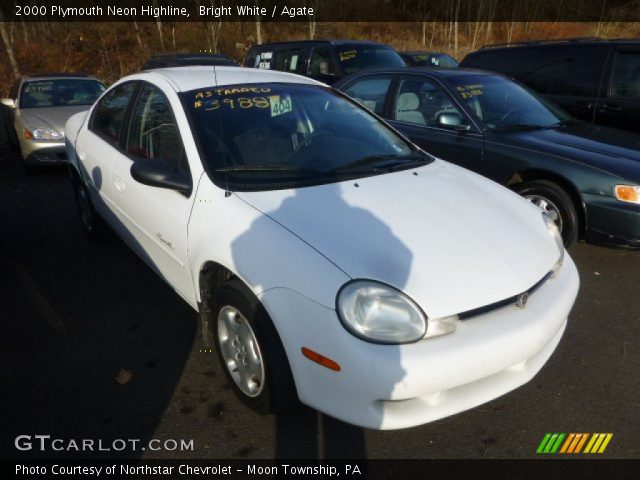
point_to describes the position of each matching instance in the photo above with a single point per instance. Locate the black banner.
(321, 10)
(543, 469)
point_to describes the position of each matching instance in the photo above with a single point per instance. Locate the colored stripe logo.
(574, 443)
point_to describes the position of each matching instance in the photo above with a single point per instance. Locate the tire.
(94, 225)
(256, 365)
(553, 199)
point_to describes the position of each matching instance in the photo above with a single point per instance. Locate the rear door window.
(279, 60)
(297, 60)
(574, 71)
(321, 63)
(108, 115)
(551, 70)
(371, 92)
(263, 59)
(625, 80)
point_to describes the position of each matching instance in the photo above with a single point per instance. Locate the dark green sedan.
(587, 177)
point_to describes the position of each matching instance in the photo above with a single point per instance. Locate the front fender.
(264, 255)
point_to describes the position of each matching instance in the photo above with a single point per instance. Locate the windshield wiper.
(267, 168)
(379, 163)
(572, 121)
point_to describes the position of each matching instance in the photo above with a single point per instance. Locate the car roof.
(422, 52)
(184, 59)
(441, 72)
(557, 43)
(44, 76)
(190, 78)
(311, 42)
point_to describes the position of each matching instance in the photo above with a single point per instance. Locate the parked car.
(41, 104)
(323, 60)
(188, 59)
(586, 177)
(329, 258)
(593, 79)
(428, 59)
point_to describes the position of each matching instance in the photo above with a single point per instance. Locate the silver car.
(41, 106)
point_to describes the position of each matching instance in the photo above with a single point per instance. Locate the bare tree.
(601, 18)
(455, 26)
(159, 25)
(476, 31)
(25, 32)
(312, 19)
(9, 48)
(214, 31)
(137, 30)
(214, 35)
(258, 26)
(103, 52)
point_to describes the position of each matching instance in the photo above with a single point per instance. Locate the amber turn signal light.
(628, 193)
(320, 359)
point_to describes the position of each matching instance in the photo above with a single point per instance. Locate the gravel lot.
(76, 314)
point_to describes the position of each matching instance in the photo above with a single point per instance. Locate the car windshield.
(281, 135)
(62, 92)
(432, 60)
(354, 58)
(502, 104)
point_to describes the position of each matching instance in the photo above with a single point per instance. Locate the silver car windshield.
(62, 92)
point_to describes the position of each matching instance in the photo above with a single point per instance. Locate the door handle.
(119, 185)
(582, 105)
(608, 107)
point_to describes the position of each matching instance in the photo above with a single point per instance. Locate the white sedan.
(330, 260)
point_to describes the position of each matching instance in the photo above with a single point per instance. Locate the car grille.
(503, 303)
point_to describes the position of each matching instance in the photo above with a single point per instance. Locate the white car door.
(155, 220)
(97, 146)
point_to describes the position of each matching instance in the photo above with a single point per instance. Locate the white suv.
(330, 259)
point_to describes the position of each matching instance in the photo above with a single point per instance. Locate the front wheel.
(250, 350)
(554, 200)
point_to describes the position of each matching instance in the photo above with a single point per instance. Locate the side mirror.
(452, 121)
(8, 102)
(158, 173)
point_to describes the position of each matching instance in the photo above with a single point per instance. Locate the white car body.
(449, 239)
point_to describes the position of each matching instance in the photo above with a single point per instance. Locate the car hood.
(450, 239)
(615, 151)
(50, 117)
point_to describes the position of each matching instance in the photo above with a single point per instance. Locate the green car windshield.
(281, 135)
(502, 104)
(62, 92)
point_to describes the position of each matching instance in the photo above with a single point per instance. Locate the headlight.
(557, 236)
(628, 193)
(379, 313)
(43, 134)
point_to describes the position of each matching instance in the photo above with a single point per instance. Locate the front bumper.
(43, 153)
(399, 386)
(611, 222)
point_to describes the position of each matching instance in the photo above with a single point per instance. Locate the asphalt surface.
(75, 314)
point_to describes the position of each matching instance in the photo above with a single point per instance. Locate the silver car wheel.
(240, 351)
(547, 206)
